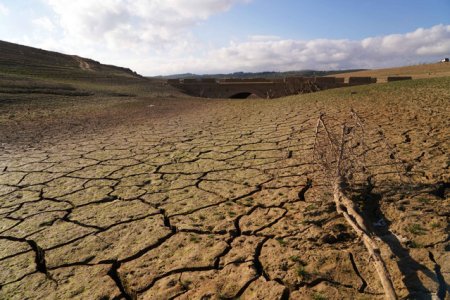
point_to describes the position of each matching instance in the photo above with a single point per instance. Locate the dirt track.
(209, 200)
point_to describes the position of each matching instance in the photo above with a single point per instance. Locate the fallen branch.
(350, 211)
(336, 155)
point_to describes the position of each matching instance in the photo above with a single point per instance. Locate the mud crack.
(126, 292)
(363, 286)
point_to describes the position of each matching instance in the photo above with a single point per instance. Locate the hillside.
(23, 60)
(417, 72)
(27, 71)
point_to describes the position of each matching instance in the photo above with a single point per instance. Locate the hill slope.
(27, 71)
(417, 71)
(23, 60)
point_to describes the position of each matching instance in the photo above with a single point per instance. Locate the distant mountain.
(305, 73)
(23, 60)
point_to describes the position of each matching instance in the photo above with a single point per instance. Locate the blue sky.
(334, 19)
(208, 36)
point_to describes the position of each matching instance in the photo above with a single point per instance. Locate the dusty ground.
(159, 197)
(416, 72)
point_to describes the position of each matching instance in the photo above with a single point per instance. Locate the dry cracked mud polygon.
(215, 202)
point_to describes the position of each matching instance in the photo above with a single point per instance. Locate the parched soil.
(153, 197)
(416, 72)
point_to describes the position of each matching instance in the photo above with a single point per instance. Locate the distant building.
(445, 60)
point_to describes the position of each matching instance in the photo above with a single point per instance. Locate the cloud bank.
(272, 53)
(142, 25)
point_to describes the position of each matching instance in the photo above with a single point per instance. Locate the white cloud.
(271, 53)
(267, 53)
(44, 23)
(134, 24)
(4, 10)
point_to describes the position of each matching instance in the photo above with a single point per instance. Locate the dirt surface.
(416, 72)
(160, 197)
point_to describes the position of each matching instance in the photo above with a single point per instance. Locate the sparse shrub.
(435, 225)
(281, 241)
(310, 207)
(415, 245)
(297, 259)
(194, 239)
(318, 296)
(416, 229)
(302, 273)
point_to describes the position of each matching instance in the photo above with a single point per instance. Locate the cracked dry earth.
(215, 202)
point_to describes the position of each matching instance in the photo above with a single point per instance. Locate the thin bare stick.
(316, 135)
(341, 153)
(330, 139)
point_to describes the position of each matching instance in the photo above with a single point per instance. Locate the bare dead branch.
(347, 208)
(342, 158)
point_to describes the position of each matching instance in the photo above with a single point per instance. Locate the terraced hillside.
(163, 196)
(35, 83)
(22, 60)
